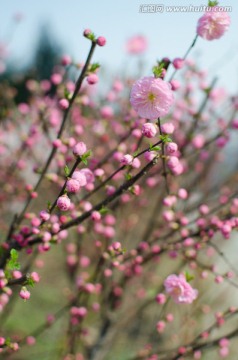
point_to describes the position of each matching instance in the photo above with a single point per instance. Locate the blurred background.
(38, 28)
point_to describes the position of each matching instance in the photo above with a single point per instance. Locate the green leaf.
(66, 171)
(92, 37)
(13, 263)
(94, 67)
(212, 3)
(84, 157)
(128, 176)
(158, 69)
(30, 282)
(104, 211)
(165, 138)
(136, 153)
(7, 341)
(188, 276)
(155, 148)
(48, 205)
(14, 254)
(66, 94)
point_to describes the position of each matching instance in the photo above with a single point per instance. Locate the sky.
(169, 33)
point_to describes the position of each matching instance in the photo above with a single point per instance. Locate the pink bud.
(178, 63)
(96, 216)
(79, 149)
(72, 186)
(160, 298)
(63, 203)
(24, 293)
(167, 128)
(101, 41)
(44, 215)
(149, 130)
(127, 159)
(87, 32)
(92, 79)
(66, 60)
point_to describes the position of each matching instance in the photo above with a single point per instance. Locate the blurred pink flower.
(213, 24)
(179, 289)
(151, 97)
(137, 44)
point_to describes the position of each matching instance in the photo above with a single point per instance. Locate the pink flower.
(44, 215)
(151, 97)
(160, 298)
(66, 60)
(179, 289)
(175, 84)
(173, 162)
(167, 128)
(35, 277)
(149, 130)
(92, 79)
(101, 41)
(64, 104)
(24, 293)
(178, 63)
(107, 112)
(63, 203)
(87, 32)
(88, 174)
(127, 159)
(80, 177)
(79, 149)
(136, 45)
(171, 148)
(213, 24)
(96, 216)
(72, 186)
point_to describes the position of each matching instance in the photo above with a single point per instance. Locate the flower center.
(177, 291)
(151, 97)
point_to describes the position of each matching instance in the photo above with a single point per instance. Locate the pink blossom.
(24, 293)
(44, 215)
(92, 79)
(167, 128)
(136, 45)
(136, 163)
(87, 32)
(160, 298)
(72, 186)
(213, 24)
(35, 277)
(173, 162)
(127, 159)
(179, 289)
(63, 203)
(66, 60)
(96, 216)
(171, 148)
(30, 340)
(175, 84)
(149, 130)
(101, 41)
(90, 178)
(64, 104)
(160, 326)
(79, 149)
(80, 177)
(178, 63)
(107, 112)
(151, 97)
